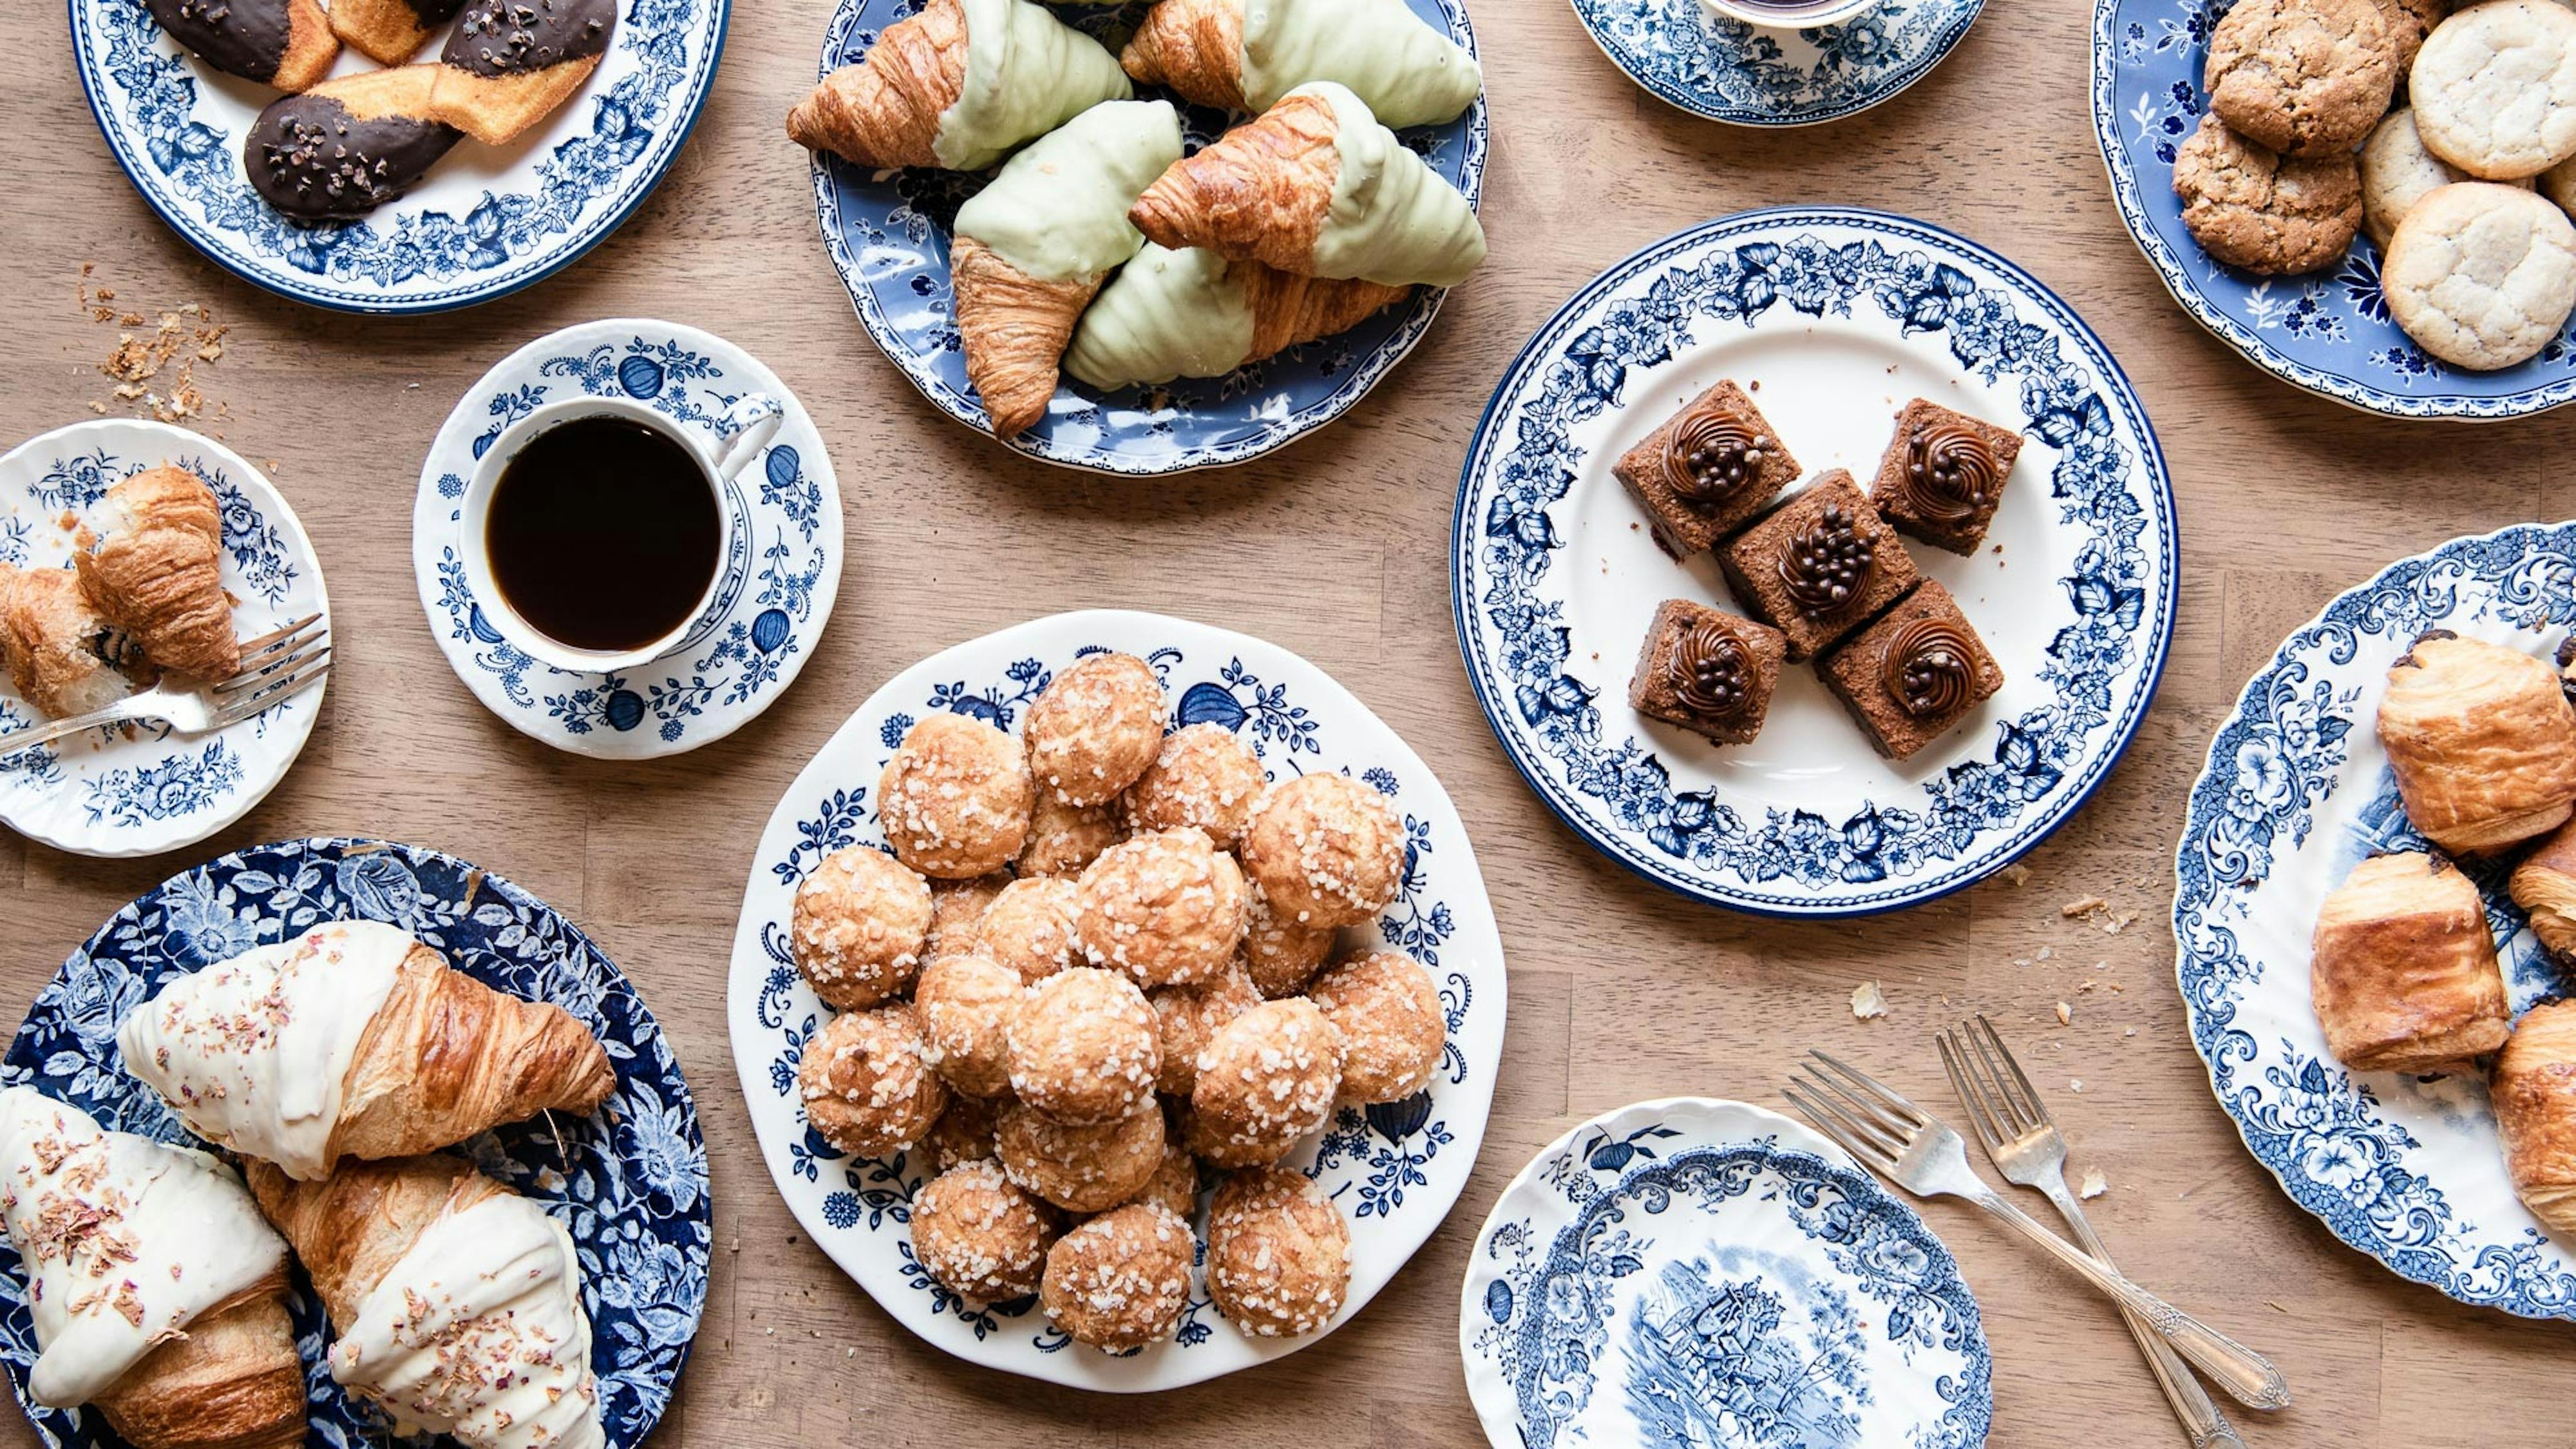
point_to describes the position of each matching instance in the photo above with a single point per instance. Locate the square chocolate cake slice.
(1708, 671)
(1710, 466)
(1821, 565)
(1915, 674)
(1944, 475)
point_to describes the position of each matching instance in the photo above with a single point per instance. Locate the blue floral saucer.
(629, 1183)
(1394, 1169)
(1689, 56)
(887, 232)
(487, 221)
(778, 584)
(1834, 318)
(1693, 1272)
(2295, 793)
(2328, 332)
(143, 791)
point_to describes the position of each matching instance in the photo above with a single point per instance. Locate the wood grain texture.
(1337, 548)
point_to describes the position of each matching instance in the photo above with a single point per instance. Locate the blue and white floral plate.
(142, 791)
(2296, 792)
(2328, 332)
(629, 1182)
(487, 221)
(778, 584)
(1834, 317)
(1689, 56)
(1394, 1169)
(1692, 1272)
(887, 232)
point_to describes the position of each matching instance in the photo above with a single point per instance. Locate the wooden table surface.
(1337, 548)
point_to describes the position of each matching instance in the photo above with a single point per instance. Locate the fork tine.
(2036, 1106)
(243, 706)
(269, 673)
(2007, 1099)
(1903, 1111)
(268, 642)
(1879, 1124)
(1832, 1123)
(1972, 1096)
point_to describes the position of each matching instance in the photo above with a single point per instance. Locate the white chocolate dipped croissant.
(1243, 55)
(1192, 313)
(960, 85)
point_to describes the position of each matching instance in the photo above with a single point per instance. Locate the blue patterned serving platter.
(1394, 1169)
(2296, 792)
(2329, 331)
(1688, 1272)
(487, 221)
(142, 791)
(887, 233)
(778, 582)
(1834, 317)
(629, 1183)
(1689, 56)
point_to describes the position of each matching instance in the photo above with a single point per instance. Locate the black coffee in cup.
(603, 534)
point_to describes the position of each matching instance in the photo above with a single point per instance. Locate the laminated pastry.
(354, 1040)
(158, 1295)
(2403, 970)
(64, 657)
(2544, 885)
(960, 85)
(509, 63)
(1317, 186)
(1032, 249)
(1243, 55)
(2534, 1093)
(155, 568)
(2482, 742)
(283, 43)
(390, 32)
(1192, 313)
(347, 146)
(458, 1302)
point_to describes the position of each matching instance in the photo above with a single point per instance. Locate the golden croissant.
(2544, 885)
(63, 656)
(156, 569)
(924, 96)
(2482, 742)
(1192, 313)
(1239, 56)
(158, 1294)
(374, 1048)
(1318, 187)
(457, 1302)
(2534, 1092)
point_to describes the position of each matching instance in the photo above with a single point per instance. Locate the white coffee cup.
(1790, 14)
(740, 437)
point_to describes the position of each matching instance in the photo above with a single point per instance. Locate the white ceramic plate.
(121, 793)
(1394, 1170)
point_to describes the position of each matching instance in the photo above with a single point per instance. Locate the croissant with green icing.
(1243, 55)
(1194, 314)
(960, 86)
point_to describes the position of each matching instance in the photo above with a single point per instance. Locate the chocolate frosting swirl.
(1951, 471)
(1709, 456)
(1928, 666)
(1708, 668)
(1827, 563)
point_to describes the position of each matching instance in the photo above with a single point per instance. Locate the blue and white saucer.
(141, 791)
(778, 584)
(1694, 1272)
(1689, 56)
(1834, 317)
(2295, 793)
(629, 1182)
(488, 220)
(887, 233)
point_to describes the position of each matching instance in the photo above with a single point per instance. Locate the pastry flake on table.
(158, 1294)
(1943, 476)
(1915, 674)
(1191, 313)
(1708, 671)
(2403, 971)
(1706, 469)
(1818, 566)
(345, 147)
(1243, 55)
(2482, 742)
(2534, 1091)
(64, 657)
(288, 44)
(509, 63)
(156, 571)
(959, 86)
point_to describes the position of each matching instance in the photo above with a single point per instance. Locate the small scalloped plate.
(887, 233)
(2295, 792)
(1394, 1170)
(144, 791)
(1691, 1271)
(1689, 57)
(1834, 317)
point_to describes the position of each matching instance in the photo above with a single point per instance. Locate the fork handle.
(52, 730)
(2247, 1376)
(2201, 1421)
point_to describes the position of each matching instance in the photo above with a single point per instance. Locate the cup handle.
(746, 430)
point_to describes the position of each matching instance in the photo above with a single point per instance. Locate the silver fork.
(2022, 1140)
(275, 665)
(1917, 1152)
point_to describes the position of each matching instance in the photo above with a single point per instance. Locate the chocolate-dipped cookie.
(390, 32)
(283, 43)
(347, 146)
(509, 63)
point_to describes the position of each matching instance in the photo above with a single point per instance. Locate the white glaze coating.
(1026, 74)
(1407, 72)
(125, 1241)
(489, 1294)
(1059, 208)
(1393, 219)
(253, 1052)
(1168, 314)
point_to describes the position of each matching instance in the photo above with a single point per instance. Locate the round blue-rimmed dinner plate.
(629, 1182)
(887, 233)
(1690, 57)
(1834, 317)
(487, 221)
(2295, 792)
(1689, 1271)
(2328, 331)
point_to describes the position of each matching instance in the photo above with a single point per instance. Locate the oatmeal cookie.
(2494, 88)
(2480, 275)
(1120, 1281)
(982, 1236)
(1096, 728)
(1279, 1253)
(2303, 77)
(858, 927)
(2267, 213)
(955, 798)
(867, 1083)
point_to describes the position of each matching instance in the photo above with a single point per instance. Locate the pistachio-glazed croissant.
(156, 568)
(1318, 187)
(1192, 313)
(2403, 970)
(2483, 743)
(959, 85)
(2534, 1092)
(1243, 55)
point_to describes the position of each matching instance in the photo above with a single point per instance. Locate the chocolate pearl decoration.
(1826, 564)
(1711, 456)
(1951, 472)
(1926, 667)
(1708, 671)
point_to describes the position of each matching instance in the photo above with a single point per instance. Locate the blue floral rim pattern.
(1711, 65)
(629, 1182)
